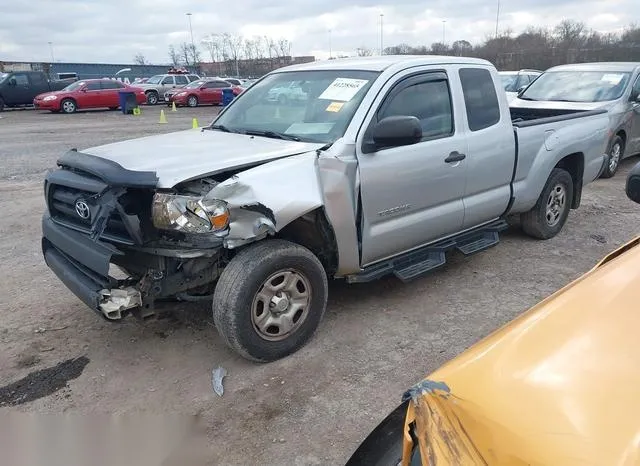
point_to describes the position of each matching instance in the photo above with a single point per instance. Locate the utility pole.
(193, 45)
(444, 24)
(381, 34)
(497, 18)
(329, 44)
(51, 50)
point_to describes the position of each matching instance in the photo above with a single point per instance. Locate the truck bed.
(537, 116)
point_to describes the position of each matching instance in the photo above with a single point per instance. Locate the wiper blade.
(220, 128)
(271, 134)
(527, 98)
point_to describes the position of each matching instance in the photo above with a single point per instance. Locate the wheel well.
(574, 164)
(623, 135)
(148, 91)
(314, 232)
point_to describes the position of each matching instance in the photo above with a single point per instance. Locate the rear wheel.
(152, 98)
(68, 106)
(270, 299)
(113, 108)
(550, 213)
(192, 101)
(615, 156)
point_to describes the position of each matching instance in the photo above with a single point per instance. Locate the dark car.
(89, 93)
(20, 87)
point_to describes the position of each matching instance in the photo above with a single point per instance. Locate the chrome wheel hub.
(555, 205)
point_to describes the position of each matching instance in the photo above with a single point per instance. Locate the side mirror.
(635, 98)
(521, 89)
(13, 82)
(400, 130)
(633, 184)
(84, 89)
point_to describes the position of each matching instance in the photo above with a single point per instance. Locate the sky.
(114, 31)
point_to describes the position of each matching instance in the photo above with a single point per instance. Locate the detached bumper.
(80, 263)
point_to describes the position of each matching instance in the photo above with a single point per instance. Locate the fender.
(265, 199)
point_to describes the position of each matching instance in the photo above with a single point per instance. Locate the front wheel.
(615, 156)
(68, 106)
(152, 98)
(550, 213)
(270, 299)
(192, 101)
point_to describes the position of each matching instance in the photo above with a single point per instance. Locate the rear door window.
(480, 98)
(112, 84)
(93, 86)
(181, 80)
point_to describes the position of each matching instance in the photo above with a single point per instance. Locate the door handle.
(455, 156)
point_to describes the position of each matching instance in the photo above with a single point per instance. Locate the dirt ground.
(312, 408)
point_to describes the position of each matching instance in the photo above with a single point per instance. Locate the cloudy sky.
(114, 31)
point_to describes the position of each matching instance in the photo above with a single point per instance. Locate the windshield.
(578, 86)
(194, 84)
(155, 79)
(74, 86)
(313, 106)
(509, 82)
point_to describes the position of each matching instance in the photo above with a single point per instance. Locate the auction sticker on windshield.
(343, 89)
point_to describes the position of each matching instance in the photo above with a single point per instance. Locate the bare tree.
(284, 47)
(213, 45)
(364, 51)
(174, 56)
(462, 48)
(233, 47)
(189, 54)
(139, 59)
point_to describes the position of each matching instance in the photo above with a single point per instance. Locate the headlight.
(180, 94)
(189, 214)
(50, 97)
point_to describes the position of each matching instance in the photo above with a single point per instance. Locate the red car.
(88, 93)
(201, 92)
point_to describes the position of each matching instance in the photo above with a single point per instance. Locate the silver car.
(156, 86)
(589, 86)
(514, 81)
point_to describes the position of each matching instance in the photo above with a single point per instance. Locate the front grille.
(62, 208)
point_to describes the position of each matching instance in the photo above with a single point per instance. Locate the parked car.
(235, 81)
(156, 86)
(515, 81)
(20, 87)
(89, 93)
(392, 162)
(201, 92)
(587, 86)
(288, 92)
(538, 390)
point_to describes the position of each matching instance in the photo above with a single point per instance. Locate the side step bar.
(417, 263)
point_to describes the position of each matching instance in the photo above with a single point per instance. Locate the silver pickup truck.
(386, 165)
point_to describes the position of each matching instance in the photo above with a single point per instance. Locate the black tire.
(1, 104)
(113, 108)
(616, 153)
(192, 101)
(238, 287)
(152, 98)
(68, 106)
(536, 222)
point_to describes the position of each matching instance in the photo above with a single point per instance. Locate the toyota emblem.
(82, 209)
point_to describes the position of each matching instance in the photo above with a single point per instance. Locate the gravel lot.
(312, 408)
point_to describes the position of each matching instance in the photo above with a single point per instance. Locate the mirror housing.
(633, 184)
(399, 130)
(12, 82)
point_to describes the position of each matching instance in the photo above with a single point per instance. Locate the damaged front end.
(99, 239)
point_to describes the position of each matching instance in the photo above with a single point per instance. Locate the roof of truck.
(601, 66)
(381, 63)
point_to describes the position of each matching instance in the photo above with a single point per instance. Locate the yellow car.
(559, 385)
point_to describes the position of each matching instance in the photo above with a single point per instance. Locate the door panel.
(91, 97)
(410, 195)
(491, 152)
(20, 93)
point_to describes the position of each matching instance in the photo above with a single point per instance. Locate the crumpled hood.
(191, 154)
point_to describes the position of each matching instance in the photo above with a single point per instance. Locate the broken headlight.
(189, 214)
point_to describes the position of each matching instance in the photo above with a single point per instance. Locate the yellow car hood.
(560, 385)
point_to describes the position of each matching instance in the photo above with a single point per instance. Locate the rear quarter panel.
(542, 146)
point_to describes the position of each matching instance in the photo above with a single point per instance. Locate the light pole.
(51, 50)
(193, 45)
(497, 18)
(381, 34)
(444, 24)
(329, 44)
